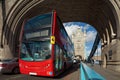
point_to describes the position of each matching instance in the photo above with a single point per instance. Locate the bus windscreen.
(35, 42)
(35, 51)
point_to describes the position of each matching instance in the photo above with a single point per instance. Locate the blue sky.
(90, 34)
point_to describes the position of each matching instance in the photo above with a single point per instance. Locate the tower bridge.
(104, 15)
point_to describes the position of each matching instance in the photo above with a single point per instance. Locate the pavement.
(106, 73)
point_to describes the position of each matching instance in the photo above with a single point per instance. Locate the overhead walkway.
(96, 42)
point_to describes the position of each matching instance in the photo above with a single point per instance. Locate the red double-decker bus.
(45, 47)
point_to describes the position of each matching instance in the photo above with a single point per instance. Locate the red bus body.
(44, 68)
(61, 51)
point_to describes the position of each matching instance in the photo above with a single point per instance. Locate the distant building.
(78, 39)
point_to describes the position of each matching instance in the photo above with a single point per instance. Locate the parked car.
(9, 66)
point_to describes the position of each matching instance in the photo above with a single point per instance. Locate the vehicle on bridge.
(9, 66)
(45, 47)
(77, 59)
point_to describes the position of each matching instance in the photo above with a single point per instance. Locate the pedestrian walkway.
(106, 73)
(88, 73)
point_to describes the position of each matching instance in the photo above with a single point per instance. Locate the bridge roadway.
(72, 73)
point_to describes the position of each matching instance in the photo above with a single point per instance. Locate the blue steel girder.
(96, 42)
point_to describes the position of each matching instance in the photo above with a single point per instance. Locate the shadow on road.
(9, 73)
(67, 72)
(72, 69)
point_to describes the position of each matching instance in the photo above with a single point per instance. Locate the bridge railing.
(89, 74)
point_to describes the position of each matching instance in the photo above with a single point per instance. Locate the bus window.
(25, 55)
(38, 22)
(38, 51)
(57, 50)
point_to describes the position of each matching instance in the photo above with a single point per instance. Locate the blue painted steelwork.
(96, 42)
(89, 74)
(82, 72)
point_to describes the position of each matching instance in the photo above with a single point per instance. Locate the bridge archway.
(105, 61)
(102, 14)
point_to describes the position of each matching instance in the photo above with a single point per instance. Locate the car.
(75, 61)
(9, 66)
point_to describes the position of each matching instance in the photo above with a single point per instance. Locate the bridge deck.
(73, 73)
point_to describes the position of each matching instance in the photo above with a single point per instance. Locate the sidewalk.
(106, 73)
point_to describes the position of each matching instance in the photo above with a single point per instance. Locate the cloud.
(87, 26)
(98, 51)
(90, 36)
(68, 24)
(71, 28)
(86, 47)
(87, 52)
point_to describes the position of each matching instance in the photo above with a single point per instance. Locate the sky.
(91, 32)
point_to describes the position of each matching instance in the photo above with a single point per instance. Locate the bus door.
(58, 58)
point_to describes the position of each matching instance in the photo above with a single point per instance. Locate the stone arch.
(98, 16)
(108, 37)
(105, 61)
(79, 57)
(114, 5)
(104, 38)
(11, 28)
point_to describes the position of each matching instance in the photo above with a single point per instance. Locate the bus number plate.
(32, 73)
